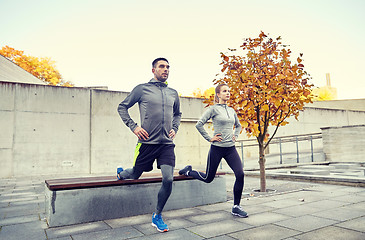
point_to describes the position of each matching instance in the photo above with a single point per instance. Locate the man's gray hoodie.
(159, 108)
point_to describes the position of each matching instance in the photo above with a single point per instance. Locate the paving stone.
(173, 224)
(210, 217)
(62, 238)
(357, 224)
(21, 210)
(269, 232)
(263, 218)
(182, 213)
(117, 233)
(23, 200)
(327, 204)
(341, 214)
(171, 235)
(333, 193)
(5, 199)
(283, 203)
(218, 228)
(306, 223)
(148, 229)
(222, 238)
(4, 204)
(352, 198)
(18, 220)
(215, 207)
(76, 229)
(19, 189)
(309, 196)
(290, 195)
(254, 209)
(19, 194)
(362, 193)
(360, 205)
(255, 201)
(178, 223)
(356, 190)
(35, 201)
(32, 230)
(333, 233)
(129, 221)
(296, 211)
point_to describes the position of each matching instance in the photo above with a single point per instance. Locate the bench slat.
(104, 181)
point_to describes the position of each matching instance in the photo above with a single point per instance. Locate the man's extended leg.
(130, 173)
(141, 153)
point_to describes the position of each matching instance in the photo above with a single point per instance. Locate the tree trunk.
(262, 161)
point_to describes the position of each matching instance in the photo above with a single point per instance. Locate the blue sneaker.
(158, 223)
(119, 170)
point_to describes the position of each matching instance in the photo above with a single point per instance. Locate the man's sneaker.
(185, 170)
(238, 211)
(119, 170)
(158, 223)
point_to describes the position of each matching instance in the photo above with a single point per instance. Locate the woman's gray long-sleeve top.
(224, 118)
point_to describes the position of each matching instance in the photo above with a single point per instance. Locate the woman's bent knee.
(209, 180)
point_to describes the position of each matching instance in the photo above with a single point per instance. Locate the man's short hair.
(154, 63)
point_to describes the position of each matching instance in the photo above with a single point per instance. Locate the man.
(160, 116)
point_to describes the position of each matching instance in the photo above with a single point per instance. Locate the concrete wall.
(43, 129)
(312, 119)
(348, 104)
(344, 144)
(58, 130)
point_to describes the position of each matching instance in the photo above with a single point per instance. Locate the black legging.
(232, 158)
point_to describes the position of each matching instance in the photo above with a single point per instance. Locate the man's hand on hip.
(172, 134)
(141, 133)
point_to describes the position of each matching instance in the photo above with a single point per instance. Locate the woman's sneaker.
(158, 223)
(238, 211)
(185, 171)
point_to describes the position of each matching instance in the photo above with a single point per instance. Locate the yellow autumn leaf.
(244, 124)
(265, 107)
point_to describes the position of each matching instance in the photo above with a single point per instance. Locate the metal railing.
(241, 144)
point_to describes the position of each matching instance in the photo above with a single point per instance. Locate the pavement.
(289, 210)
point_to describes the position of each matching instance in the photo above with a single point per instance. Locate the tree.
(198, 93)
(266, 88)
(42, 68)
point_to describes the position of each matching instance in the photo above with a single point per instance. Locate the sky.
(113, 42)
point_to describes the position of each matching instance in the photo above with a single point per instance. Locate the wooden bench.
(87, 199)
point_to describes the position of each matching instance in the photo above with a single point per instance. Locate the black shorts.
(146, 154)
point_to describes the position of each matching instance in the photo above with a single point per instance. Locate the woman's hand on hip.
(216, 138)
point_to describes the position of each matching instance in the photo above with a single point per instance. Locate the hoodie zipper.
(225, 107)
(163, 109)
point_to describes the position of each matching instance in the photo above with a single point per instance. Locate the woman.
(222, 145)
